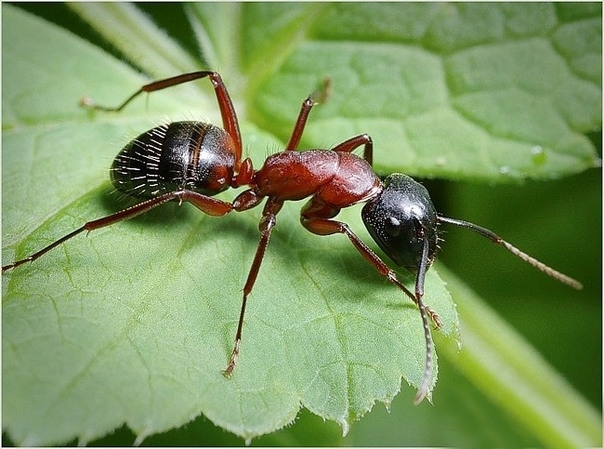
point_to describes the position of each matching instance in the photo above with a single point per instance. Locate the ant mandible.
(191, 161)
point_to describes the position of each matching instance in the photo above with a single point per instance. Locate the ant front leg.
(208, 205)
(313, 220)
(322, 226)
(227, 110)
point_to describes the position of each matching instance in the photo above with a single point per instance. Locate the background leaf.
(157, 328)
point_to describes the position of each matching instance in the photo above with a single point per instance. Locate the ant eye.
(392, 226)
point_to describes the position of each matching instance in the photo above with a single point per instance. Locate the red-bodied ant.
(192, 161)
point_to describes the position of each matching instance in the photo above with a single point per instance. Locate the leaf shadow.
(337, 257)
(113, 202)
(293, 246)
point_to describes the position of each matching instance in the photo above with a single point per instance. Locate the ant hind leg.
(210, 206)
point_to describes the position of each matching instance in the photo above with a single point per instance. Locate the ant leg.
(267, 223)
(424, 263)
(353, 143)
(294, 140)
(206, 204)
(227, 110)
(313, 99)
(323, 226)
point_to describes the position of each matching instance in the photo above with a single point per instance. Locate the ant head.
(402, 220)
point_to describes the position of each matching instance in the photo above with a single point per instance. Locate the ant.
(192, 161)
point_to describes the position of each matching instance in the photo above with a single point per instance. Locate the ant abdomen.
(185, 155)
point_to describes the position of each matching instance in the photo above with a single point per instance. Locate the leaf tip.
(142, 436)
(345, 425)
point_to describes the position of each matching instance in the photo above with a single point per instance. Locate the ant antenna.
(511, 248)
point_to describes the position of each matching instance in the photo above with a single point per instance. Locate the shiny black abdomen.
(176, 156)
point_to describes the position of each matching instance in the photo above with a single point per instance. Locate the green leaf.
(133, 324)
(462, 91)
(138, 322)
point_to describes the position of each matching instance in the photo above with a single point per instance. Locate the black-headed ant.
(193, 161)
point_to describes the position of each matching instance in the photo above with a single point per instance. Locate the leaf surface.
(134, 323)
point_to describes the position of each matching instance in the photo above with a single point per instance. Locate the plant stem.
(511, 373)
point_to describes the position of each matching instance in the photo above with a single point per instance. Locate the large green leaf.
(134, 323)
(142, 316)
